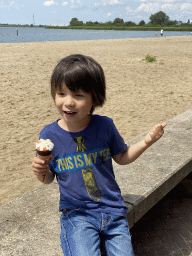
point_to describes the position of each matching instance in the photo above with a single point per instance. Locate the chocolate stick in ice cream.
(44, 149)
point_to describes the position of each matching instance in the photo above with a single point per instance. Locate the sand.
(139, 94)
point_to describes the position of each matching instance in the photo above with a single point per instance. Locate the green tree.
(108, 23)
(76, 22)
(154, 24)
(73, 21)
(80, 23)
(89, 23)
(142, 23)
(118, 21)
(130, 23)
(159, 17)
(171, 22)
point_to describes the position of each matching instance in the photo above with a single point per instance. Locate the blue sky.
(48, 12)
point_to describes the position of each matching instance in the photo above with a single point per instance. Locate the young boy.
(93, 210)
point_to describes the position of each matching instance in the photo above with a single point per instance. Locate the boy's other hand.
(155, 134)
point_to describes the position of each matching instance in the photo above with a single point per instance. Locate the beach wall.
(30, 223)
(160, 169)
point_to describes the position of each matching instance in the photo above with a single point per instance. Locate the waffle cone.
(43, 154)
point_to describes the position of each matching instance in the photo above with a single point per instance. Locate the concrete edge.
(145, 202)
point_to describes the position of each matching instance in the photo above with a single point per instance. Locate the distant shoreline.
(117, 28)
(138, 28)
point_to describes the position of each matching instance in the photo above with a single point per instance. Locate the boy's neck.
(70, 127)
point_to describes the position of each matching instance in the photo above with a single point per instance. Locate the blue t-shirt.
(83, 165)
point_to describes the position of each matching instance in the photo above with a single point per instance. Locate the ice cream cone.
(44, 150)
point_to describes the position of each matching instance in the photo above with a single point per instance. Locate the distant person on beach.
(161, 32)
(93, 210)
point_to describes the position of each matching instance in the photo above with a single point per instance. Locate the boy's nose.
(69, 101)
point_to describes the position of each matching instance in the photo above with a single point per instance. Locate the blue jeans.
(84, 232)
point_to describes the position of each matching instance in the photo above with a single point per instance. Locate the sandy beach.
(139, 94)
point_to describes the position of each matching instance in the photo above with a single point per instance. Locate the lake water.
(26, 34)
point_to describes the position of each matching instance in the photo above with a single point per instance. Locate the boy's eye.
(61, 94)
(79, 93)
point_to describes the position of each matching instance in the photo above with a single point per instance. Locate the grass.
(150, 58)
(134, 28)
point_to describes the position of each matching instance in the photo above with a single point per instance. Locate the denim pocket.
(67, 211)
(68, 215)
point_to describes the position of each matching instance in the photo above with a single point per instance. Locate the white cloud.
(105, 2)
(186, 7)
(149, 7)
(12, 3)
(169, 7)
(109, 14)
(165, 5)
(170, 1)
(1, 5)
(161, 1)
(10, 6)
(129, 10)
(75, 3)
(177, 8)
(64, 4)
(111, 1)
(49, 3)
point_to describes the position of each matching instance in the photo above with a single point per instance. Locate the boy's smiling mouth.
(69, 113)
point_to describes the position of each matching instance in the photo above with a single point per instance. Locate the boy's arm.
(134, 151)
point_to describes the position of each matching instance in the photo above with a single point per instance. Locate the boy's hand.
(155, 134)
(41, 167)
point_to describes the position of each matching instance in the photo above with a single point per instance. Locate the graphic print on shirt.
(81, 160)
(88, 175)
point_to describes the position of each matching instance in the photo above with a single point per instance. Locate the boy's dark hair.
(80, 72)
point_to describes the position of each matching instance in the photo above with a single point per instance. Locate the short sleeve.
(116, 143)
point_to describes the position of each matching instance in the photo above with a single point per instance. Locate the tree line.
(157, 19)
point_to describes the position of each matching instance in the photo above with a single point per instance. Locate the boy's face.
(74, 108)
